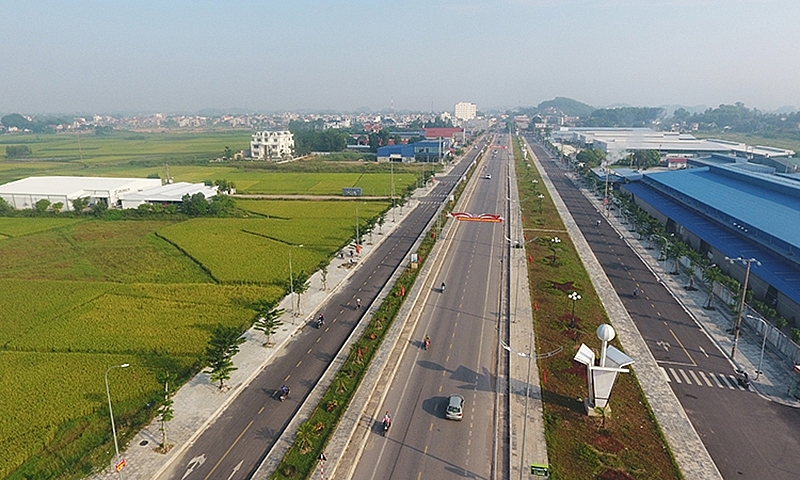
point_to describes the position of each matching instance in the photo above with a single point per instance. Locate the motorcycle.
(442, 287)
(283, 393)
(427, 343)
(320, 321)
(386, 424)
(742, 379)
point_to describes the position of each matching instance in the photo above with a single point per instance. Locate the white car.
(455, 407)
(488, 176)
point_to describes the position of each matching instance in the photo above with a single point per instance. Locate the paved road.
(746, 435)
(463, 323)
(235, 444)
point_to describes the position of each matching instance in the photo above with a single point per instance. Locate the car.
(488, 176)
(455, 407)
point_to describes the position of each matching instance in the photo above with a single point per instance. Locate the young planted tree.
(381, 221)
(268, 315)
(57, 207)
(300, 285)
(166, 412)
(80, 203)
(222, 346)
(323, 269)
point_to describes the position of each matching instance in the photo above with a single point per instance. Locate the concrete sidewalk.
(198, 403)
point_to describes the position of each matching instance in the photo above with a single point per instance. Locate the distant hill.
(568, 106)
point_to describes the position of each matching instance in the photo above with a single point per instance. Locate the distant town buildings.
(272, 145)
(465, 111)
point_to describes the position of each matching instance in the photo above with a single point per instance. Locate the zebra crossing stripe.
(694, 377)
(685, 377)
(705, 379)
(664, 371)
(675, 375)
(716, 380)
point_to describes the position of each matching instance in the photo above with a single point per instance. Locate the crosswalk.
(700, 378)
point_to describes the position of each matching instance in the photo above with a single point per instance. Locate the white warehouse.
(272, 145)
(116, 192)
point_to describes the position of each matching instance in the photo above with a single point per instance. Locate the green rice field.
(81, 295)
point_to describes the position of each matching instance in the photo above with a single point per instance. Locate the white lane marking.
(694, 377)
(675, 375)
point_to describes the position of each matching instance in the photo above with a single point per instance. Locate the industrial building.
(171, 193)
(272, 145)
(425, 151)
(727, 207)
(114, 192)
(619, 142)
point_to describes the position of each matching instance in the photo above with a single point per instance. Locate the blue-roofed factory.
(425, 151)
(734, 210)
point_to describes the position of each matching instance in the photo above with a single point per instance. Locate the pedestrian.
(358, 303)
(599, 222)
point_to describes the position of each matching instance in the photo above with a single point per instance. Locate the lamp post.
(291, 276)
(118, 466)
(763, 344)
(738, 323)
(574, 296)
(541, 199)
(553, 245)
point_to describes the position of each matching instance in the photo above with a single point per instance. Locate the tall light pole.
(738, 323)
(291, 276)
(541, 199)
(391, 173)
(574, 296)
(118, 466)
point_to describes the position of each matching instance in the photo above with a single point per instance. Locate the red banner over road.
(472, 217)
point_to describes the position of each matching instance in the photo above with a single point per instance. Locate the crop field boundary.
(189, 256)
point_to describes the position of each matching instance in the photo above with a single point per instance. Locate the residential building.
(272, 145)
(465, 111)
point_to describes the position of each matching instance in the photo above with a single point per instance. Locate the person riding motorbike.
(427, 342)
(387, 421)
(442, 286)
(320, 320)
(636, 292)
(284, 393)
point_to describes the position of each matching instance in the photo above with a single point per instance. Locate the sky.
(143, 56)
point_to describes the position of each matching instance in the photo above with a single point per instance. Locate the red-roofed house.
(455, 135)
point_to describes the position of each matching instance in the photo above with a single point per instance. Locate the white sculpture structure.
(601, 377)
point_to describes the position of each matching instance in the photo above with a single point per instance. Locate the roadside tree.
(222, 346)
(268, 315)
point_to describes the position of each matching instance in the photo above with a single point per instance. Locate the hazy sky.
(182, 56)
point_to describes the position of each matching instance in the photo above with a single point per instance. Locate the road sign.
(120, 465)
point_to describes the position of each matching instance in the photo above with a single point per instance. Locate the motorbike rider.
(636, 292)
(320, 320)
(387, 420)
(443, 286)
(284, 391)
(427, 342)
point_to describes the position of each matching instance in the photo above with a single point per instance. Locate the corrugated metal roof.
(774, 269)
(765, 202)
(70, 186)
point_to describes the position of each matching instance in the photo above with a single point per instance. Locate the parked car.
(455, 407)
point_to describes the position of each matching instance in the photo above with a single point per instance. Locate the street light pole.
(111, 413)
(738, 323)
(574, 296)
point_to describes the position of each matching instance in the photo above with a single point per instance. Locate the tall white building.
(270, 145)
(466, 111)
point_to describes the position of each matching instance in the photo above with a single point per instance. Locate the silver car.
(455, 407)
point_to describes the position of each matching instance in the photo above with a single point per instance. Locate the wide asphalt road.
(746, 435)
(463, 323)
(235, 444)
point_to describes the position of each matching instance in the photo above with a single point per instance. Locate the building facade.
(272, 145)
(465, 111)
